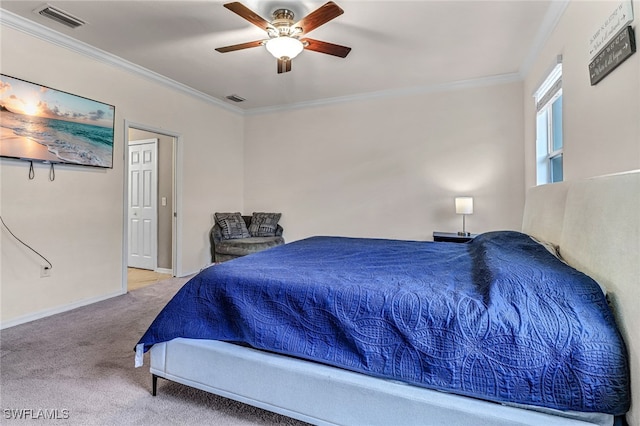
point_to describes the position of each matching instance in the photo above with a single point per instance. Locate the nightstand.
(452, 237)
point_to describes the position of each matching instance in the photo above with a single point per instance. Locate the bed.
(383, 343)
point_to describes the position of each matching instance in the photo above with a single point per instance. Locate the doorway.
(150, 234)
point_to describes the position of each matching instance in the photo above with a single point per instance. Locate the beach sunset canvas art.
(43, 124)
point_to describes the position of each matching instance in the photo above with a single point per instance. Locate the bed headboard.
(596, 225)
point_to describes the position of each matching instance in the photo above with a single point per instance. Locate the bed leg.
(154, 385)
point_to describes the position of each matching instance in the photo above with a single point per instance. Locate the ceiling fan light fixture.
(284, 47)
(284, 33)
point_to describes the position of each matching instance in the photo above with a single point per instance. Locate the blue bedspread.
(498, 318)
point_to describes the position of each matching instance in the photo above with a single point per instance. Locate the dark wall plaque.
(612, 54)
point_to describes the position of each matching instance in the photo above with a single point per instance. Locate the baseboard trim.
(57, 310)
(164, 271)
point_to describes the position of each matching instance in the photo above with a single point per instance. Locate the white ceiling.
(397, 46)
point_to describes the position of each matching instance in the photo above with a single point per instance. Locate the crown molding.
(393, 93)
(549, 24)
(34, 29)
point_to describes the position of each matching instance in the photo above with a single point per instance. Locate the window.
(549, 141)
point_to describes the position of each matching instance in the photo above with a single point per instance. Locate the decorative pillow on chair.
(264, 224)
(232, 226)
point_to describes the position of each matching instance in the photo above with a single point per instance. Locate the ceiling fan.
(284, 41)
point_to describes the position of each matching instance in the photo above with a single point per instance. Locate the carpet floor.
(76, 368)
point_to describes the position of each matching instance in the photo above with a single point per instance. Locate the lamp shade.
(464, 205)
(284, 47)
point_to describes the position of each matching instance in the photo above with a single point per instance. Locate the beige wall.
(601, 122)
(77, 220)
(390, 167)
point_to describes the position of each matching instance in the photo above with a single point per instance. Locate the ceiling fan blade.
(326, 47)
(240, 46)
(320, 16)
(248, 14)
(284, 65)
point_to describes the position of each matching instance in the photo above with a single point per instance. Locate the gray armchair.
(227, 249)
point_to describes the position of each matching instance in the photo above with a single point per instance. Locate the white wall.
(76, 221)
(390, 167)
(601, 122)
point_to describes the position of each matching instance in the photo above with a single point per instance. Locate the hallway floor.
(138, 278)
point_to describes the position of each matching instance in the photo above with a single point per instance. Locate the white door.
(143, 204)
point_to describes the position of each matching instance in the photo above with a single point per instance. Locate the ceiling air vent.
(235, 98)
(59, 15)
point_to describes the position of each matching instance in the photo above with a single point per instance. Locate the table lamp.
(464, 206)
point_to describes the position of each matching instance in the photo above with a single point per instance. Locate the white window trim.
(547, 93)
(554, 76)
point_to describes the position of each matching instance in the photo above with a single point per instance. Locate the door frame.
(176, 201)
(154, 241)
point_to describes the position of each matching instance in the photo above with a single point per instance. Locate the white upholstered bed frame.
(596, 224)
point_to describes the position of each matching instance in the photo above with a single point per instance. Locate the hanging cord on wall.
(52, 172)
(25, 244)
